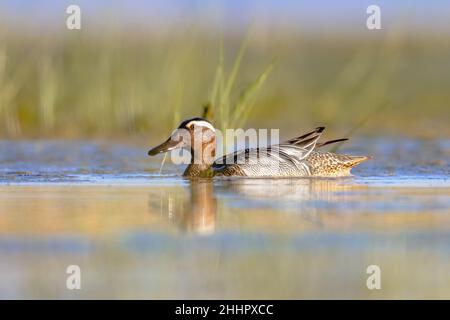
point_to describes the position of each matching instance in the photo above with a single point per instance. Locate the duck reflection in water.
(196, 210)
(201, 210)
(285, 191)
(195, 213)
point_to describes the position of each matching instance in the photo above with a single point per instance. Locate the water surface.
(138, 233)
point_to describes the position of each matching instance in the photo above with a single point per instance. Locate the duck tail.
(353, 161)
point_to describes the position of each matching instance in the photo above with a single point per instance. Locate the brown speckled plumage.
(328, 164)
(230, 171)
(198, 170)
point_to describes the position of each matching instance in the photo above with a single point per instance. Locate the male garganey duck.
(297, 157)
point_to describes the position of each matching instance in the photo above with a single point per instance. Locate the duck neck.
(201, 161)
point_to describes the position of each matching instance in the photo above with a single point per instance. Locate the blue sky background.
(233, 13)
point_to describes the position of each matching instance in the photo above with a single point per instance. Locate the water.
(136, 233)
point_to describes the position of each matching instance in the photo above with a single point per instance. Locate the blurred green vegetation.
(123, 83)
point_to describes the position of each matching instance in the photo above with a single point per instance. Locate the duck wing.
(290, 153)
(320, 145)
(311, 138)
(307, 139)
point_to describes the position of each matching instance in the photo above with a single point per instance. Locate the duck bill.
(167, 145)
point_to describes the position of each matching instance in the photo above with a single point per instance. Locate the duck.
(297, 157)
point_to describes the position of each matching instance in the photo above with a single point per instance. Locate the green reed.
(229, 113)
(114, 82)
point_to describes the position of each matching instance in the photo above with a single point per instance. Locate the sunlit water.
(136, 233)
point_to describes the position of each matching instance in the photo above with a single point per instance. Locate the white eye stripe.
(201, 123)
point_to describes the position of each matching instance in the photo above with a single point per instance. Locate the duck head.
(197, 135)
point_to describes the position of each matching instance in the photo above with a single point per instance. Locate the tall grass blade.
(248, 97)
